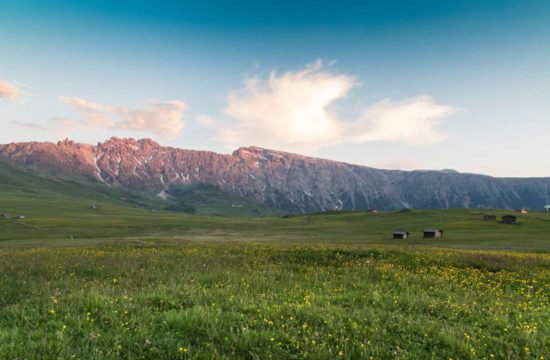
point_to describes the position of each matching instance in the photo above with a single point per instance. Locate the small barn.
(523, 211)
(433, 233)
(510, 219)
(400, 235)
(488, 217)
(5, 216)
(20, 217)
(547, 208)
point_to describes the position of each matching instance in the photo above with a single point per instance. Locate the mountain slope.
(24, 190)
(27, 191)
(279, 180)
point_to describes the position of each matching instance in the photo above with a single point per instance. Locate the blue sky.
(393, 84)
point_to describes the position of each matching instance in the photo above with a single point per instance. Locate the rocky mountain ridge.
(280, 180)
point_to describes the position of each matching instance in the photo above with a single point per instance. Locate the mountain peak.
(259, 152)
(250, 151)
(277, 179)
(128, 143)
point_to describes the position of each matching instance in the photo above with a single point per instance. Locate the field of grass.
(175, 299)
(73, 222)
(129, 280)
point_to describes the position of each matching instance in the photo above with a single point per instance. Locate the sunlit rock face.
(280, 180)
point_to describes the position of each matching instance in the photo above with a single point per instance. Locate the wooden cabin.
(523, 211)
(433, 233)
(488, 217)
(510, 219)
(401, 235)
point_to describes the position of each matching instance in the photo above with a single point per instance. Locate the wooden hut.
(433, 233)
(400, 235)
(488, 217)
(510, 219)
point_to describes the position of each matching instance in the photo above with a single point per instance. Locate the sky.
(404, 84)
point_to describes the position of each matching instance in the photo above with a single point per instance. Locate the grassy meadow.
(120, 282)
(176, 299)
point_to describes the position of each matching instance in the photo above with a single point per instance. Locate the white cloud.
(413, 121)
(29, 125)
(8, 91)
(295, 110)
(291, 109)
(81, 104)
(65, 123)
(160, 117)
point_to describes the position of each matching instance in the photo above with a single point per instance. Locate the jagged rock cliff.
(280, 180)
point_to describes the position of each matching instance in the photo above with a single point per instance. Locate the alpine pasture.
(116, 282)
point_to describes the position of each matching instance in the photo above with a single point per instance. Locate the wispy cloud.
(160, 117)
(8, 91)
(65, 123)
(296, 110)
(29, 125)
(412, 121)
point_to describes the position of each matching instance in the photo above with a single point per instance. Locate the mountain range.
(269, 179)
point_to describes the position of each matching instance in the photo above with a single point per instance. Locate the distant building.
(488, 217)
(433, 233)
(547, 208)
(510, 219)
(523, 211)
(20, 217)
(400, 235)
(372, 210)
(5, 216)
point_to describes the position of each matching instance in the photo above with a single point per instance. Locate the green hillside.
(69, 218)
(29, 193)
